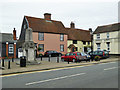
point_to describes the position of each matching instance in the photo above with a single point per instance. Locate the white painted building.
(107, 37)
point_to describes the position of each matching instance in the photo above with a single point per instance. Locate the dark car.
(73, 57)
(52, 53)
(99, 54)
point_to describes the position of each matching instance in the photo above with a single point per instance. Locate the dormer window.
(40, 36)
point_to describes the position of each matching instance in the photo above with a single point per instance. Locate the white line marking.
(113, 62)
(110, 68)
(107, 63)
(54, 79)
(103, 63)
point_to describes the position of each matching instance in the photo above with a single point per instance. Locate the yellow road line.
(43, 70)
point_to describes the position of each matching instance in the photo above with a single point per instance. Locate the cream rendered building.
(79, 40)
(80, 46)
(107, 38)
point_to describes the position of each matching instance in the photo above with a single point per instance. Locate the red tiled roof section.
(78, 34)
(42, 25)
(52, 26)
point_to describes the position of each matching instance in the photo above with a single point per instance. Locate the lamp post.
(91, 33)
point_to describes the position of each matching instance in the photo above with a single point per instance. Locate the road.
(104, 75)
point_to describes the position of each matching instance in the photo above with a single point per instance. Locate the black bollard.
(41, 58)
(3, 63)
(9, 64)
(57, 59)
(12, 59)
(68, 60)
(49, 58)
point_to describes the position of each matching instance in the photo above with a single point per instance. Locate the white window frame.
(62, 48)
(98, 46)
(61, 37)
(11, 48)
(40, 36)
(98, 36)
(42, 48)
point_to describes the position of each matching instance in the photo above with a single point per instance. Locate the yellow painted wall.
(79, 45)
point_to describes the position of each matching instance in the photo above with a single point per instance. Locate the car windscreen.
(106, 52)
(97, 52)
(54, 51)
(83, 54)
(67, 54)
(50, 51)
(78, 54)
(72, 54)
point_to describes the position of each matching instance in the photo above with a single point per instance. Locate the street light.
(91, 33)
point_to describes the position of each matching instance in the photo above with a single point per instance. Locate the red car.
(73, 57)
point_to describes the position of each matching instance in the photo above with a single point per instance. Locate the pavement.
(46, 65)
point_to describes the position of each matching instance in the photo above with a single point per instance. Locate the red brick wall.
(14, 50)
(7, 49)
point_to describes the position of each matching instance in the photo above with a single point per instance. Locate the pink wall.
(51, 42)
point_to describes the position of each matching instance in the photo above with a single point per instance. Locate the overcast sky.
(84, 13)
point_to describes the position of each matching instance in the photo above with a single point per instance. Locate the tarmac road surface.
(103, 75)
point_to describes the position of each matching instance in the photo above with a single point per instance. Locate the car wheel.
(73, 60)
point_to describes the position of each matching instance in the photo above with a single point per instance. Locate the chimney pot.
(72, 25)
(90, 29)
(14, 34)
(47, 16)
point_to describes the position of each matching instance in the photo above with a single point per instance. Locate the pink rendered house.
(47, 34)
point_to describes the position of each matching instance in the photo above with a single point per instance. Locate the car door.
(66, 57)
(71, 56)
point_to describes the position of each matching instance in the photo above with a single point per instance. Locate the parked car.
(87, 56)
(52, 53)
(99, 54)
(74, 57)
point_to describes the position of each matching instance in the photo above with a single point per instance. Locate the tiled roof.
(52, 26)
(42, 25)
(107, 28)
(78, 34)
(6, 37)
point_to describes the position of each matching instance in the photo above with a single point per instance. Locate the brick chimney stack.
(72, 25)
(47, 16)
(90, 29)
(14, 34)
